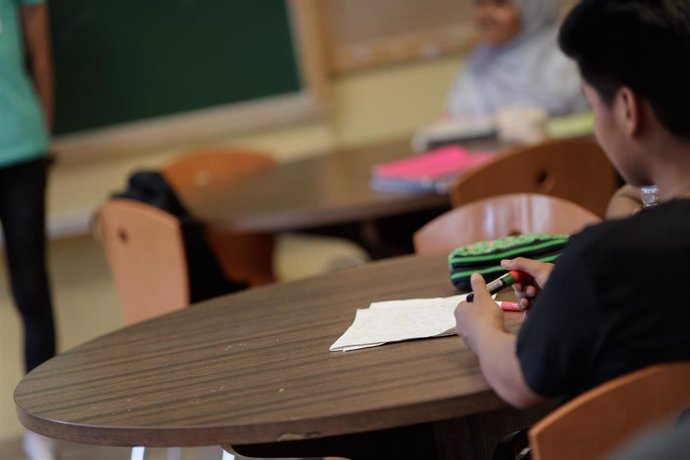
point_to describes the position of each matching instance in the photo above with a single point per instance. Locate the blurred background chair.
(597, 422)
(146, 255)
(245, 257)
(498, 217)
(573, 169)
(145, 251)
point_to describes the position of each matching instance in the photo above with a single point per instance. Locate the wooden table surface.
(322, 190)
(254, 367)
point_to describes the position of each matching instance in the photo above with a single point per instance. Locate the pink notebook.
(441, 163)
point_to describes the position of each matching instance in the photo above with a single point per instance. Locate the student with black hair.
(614, 301)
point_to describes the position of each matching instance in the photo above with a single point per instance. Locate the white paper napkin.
(398, 320)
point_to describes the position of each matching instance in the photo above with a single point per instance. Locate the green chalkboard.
(119, 61)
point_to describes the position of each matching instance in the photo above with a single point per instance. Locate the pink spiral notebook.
(428, 172)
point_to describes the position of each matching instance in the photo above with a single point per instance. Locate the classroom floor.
(11, 449)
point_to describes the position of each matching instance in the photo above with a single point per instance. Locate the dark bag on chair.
(484, 257)
(206, 278)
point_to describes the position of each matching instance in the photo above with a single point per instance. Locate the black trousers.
(22, 214)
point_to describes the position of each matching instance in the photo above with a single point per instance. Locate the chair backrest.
(498, 217)
(246, 257)
(573, 169)
(145, 251)
(595, 423)
(204, 168)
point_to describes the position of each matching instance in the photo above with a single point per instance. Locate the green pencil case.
(484, 257)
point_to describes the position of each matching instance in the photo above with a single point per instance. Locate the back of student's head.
(641, 44)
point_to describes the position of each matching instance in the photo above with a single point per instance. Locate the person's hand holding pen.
(527, 291)
(477, 319)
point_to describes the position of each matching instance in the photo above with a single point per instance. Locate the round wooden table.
(253, 370)
(323, 190)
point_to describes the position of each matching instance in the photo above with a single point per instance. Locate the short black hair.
(641, 44)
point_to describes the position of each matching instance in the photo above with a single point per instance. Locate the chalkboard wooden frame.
(362, 35)
(365, 34)
(207, 125)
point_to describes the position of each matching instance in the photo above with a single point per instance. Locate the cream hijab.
(530, 70)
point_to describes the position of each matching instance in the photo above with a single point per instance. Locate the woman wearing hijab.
(517, 62)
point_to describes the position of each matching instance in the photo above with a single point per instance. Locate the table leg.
(138, 453)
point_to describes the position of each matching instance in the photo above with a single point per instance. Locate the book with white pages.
(431, 172)
(453, 130)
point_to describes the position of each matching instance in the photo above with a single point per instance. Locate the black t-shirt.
(617, 301)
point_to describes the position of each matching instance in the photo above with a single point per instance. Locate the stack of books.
(431, 172)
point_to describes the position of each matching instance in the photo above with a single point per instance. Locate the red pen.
(508, 306)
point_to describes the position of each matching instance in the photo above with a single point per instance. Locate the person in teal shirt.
(23, 133)
(26, 112)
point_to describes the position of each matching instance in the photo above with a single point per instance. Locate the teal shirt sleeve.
(23, 135)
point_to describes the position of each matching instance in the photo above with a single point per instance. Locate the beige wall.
(367, 107)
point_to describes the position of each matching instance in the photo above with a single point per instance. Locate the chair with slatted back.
(498, 217)
(573, 169)
(597, 422)
(244, 257)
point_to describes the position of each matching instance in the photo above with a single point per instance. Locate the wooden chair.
(498, 217)
(595, 423)
(246, 257)
(145, 251)
(573, 169)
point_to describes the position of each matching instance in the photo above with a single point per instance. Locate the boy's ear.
(629, 111)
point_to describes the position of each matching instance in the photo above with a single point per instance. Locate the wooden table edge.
(287, 430)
